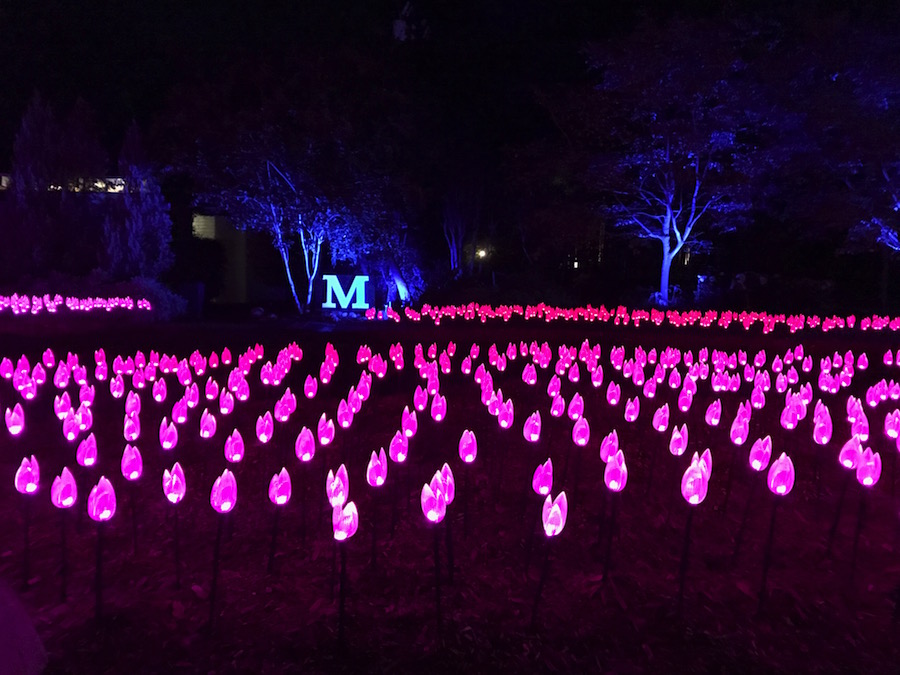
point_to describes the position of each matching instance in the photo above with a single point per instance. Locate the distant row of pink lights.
(622, 315)
(24, 304)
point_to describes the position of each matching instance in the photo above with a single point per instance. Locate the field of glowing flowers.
(509, 497)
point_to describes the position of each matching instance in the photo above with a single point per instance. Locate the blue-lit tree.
(693, 143)
(670, 204)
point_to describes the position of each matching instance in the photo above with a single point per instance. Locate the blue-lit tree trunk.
(669, 215)
(284, 251)
(312, 247)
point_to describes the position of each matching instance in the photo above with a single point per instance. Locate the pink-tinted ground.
(816, 619)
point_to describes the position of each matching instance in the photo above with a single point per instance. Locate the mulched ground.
(817, 618)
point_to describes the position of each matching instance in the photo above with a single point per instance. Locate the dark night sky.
(124, 56)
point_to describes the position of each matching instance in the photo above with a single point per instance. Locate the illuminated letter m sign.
(357, 292)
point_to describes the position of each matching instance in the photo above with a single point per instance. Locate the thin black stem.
(651, 471)
(739, 538)
(529, 544)
(682, 570)
(464, 496)
(407, 479)
(177, 542)
(394, 498)
(448, 541)
(545, 571)
(304, 488)
(767, 558)
(437, 581)
(729, 481)
(837, 514)
(601, 519)
(64, 567)
(98, 577)
(26, 550)
(324, 481)
(334, 567)
(577, 467)
(132, 498)
(860, 519)
(215, 575)
(273, 544)
(342, 594)
(375, 499)
(610, 535)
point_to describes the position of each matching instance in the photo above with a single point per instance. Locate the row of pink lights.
(678, 370)
(623, 316)
(36, 304)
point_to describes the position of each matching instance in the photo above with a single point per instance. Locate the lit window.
(203, 227)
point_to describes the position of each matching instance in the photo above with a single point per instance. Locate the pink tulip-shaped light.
(542, 480)
(310, 387)
(613, 393)
(132, 464)
(86, 454)
(434, 505)
(576, 406)
(420, 398)
(398, 448)
(447, 482)
(557, 406)
(344, 414)
(325, 430)
(280, 488)
(740, 429)
(468, 446)
(28, 476)
(223, 495)
(131, 427)
(714, 413)
(159, 390)
(226, 402)
(554, 514)
(344, 521)
(531, 430)
(15, 419)
(609, 446)
(438, 407)
(868, 471)
(678, 442)
(234, 447)
(337, 486)
(506, 414)
(581, 432)
(168, 434)
(760, 453)
(305, 445)
(409, 423)
(615, 475)
(101, 503)
(781, 475)
(376, 471)
(207, 424)
(661, 418)
(851, 453)
(632, 409)
(695, 482)
(64, 490)
(265, 427)
(173, 483)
